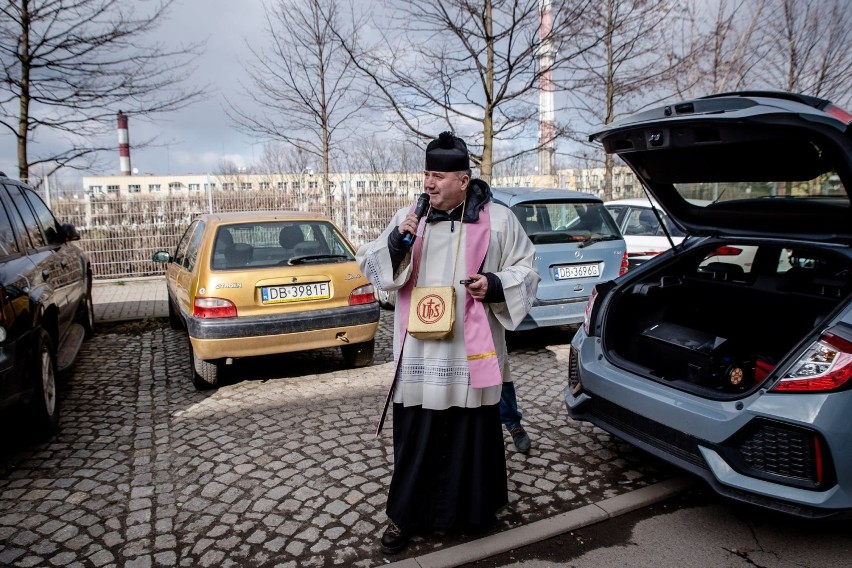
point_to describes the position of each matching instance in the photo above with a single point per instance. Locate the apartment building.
(308, 184)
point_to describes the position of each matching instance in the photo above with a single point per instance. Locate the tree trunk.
(487, 164)
(24, 118)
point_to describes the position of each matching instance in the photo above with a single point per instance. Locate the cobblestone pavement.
(278, 467)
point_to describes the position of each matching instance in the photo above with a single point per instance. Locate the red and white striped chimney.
(123, 144)
(546, 111)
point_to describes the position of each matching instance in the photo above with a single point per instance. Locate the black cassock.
(449, 468)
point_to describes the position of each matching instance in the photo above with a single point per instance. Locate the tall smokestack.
(123, 144)
(546, 113)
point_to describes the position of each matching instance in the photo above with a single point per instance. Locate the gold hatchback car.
(261, 283)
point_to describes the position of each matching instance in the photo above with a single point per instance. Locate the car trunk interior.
(717, 329)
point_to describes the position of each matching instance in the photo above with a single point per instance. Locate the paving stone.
(278, 467)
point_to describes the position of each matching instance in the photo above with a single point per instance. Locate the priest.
(449, 469)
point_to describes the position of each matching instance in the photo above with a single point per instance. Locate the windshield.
(563, 222)
(824, 186)
(265, 244)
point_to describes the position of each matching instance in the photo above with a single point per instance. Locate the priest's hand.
(477, 287)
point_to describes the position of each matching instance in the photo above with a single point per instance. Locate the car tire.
(44, 406)
(86, 317)
(174, 319)
(205, 375)
(358, 354)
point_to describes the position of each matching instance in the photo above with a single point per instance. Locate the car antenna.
(659, 216)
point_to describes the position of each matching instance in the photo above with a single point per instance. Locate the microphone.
(419, 211)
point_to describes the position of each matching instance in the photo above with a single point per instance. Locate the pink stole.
(482, 359)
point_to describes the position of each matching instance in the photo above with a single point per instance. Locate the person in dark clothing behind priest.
(449, 461)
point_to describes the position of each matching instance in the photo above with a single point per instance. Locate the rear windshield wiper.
(309, 257)
(594, 240)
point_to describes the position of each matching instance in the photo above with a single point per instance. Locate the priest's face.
(446, 189)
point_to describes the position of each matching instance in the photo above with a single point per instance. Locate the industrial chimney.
(546, 113)
(123, 144)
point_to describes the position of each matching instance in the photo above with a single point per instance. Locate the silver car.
(741, 374)
(577, 246)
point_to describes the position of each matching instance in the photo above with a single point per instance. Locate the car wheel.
(87, 310)
(358, 354)
(205, 375)
(44, 405)
(174, 319)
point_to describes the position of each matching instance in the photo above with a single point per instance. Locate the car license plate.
(576, 271)
(294, 293)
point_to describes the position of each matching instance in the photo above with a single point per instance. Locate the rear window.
(824, 186)
(278, 243)
(563, 222)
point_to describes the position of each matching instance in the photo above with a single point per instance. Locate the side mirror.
(161, 256)
(70, 233)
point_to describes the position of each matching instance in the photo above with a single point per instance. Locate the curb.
(547, 528)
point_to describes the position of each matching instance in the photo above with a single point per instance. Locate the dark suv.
(45, 303)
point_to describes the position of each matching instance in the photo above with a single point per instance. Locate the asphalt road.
(696, 529)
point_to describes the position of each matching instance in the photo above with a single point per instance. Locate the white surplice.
(434, 373)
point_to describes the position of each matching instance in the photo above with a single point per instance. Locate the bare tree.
(68, 67)
(469, 66)
(631, 67)
(302, 81)
(807, 48)
(719, 46)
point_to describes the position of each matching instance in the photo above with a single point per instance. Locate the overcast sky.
(200, 136)
(197, 138)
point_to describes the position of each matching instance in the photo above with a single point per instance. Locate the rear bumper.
(266, 335)
(554, 312)
(746, 449)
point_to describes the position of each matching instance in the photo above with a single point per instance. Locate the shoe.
(394, 540)
(520, 439)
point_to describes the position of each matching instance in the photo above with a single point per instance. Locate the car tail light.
(363, 295)
(839, 114)
(825, 366)
(209, 308)
(727, 251)
(624, 265)
(587, 314)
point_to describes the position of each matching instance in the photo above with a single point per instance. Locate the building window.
(296, 185)
(93, 189)
(153, 187)
(417, 183)
(403, 184)
(245, 185)
(281, 185)
(264, 185)
(112, 189)
(388, 185)
(209, 186)
(134, 188)
(175, 186)
(374, 184)
(359, 185)
(194, 187)
(228, 186)
(312, 185)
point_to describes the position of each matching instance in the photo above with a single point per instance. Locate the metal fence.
(121, 235)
